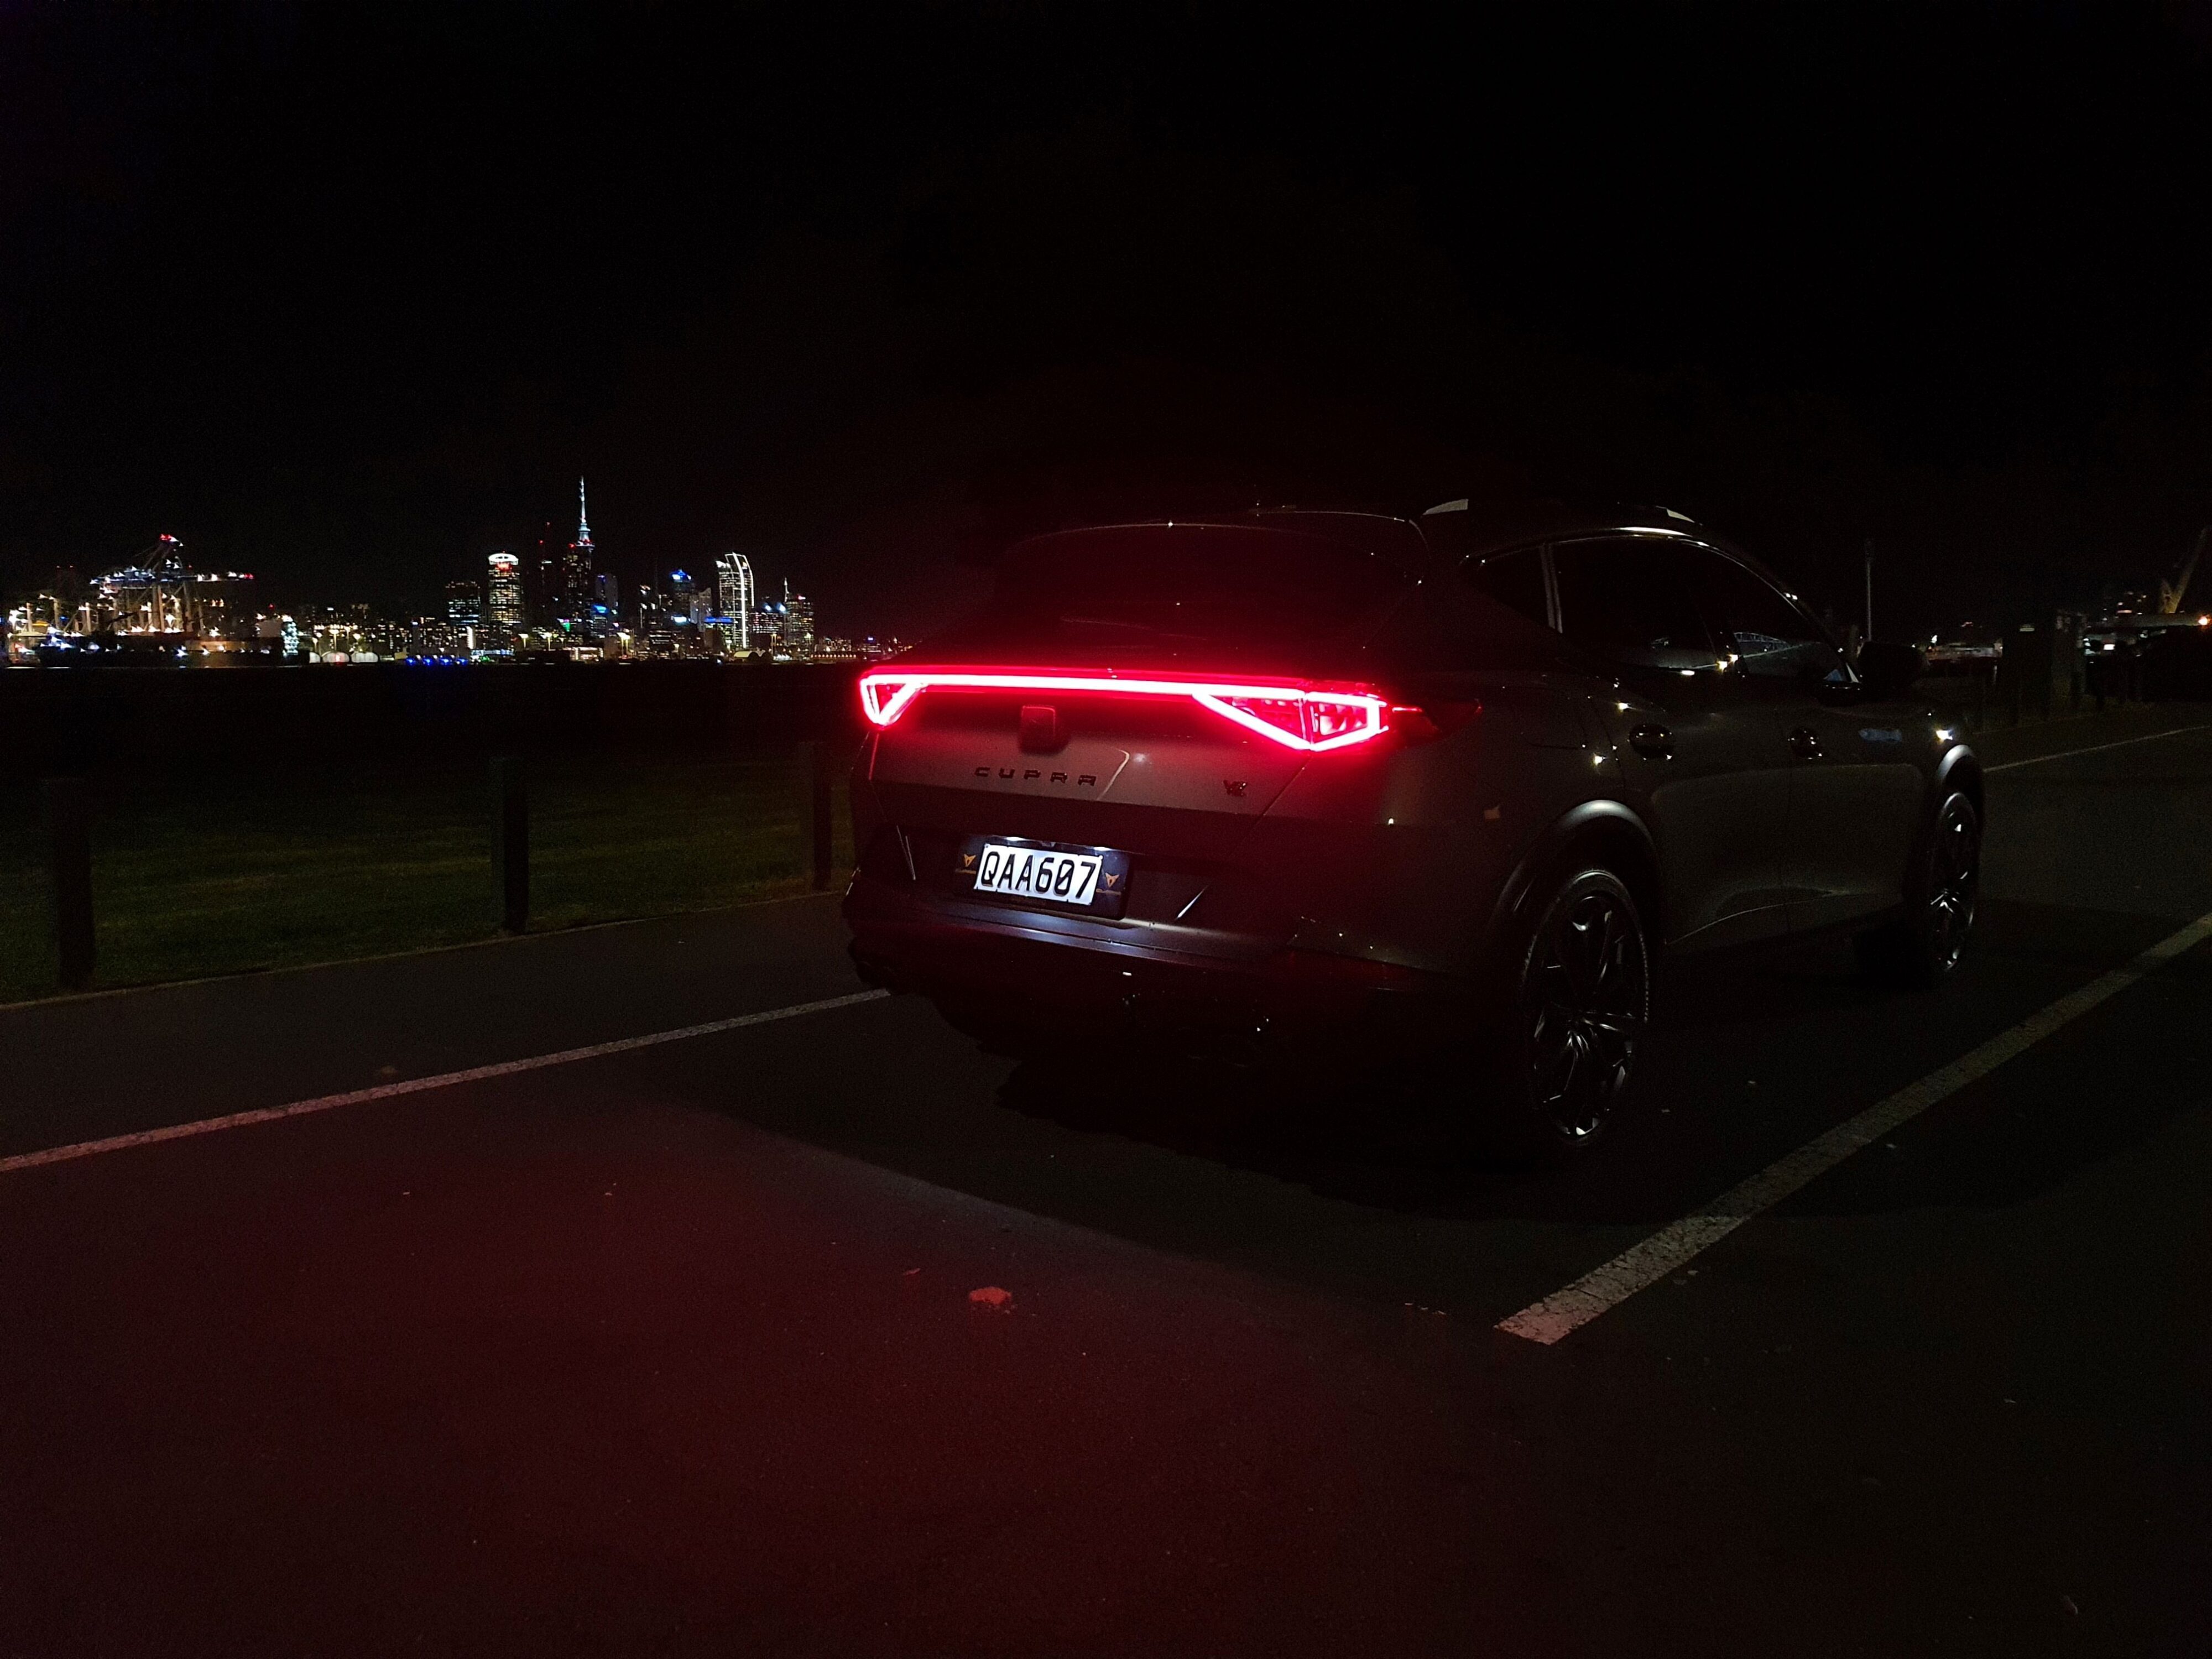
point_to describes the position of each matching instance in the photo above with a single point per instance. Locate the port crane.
(2172, 590)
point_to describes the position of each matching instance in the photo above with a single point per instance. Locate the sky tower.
(574, 602)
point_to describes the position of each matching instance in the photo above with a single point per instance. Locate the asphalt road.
(676, 1349)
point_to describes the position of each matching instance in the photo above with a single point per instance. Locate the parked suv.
(1456, 776)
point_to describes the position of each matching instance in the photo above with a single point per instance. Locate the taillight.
(1296, 714)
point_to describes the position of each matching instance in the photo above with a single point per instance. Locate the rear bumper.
(995, 969)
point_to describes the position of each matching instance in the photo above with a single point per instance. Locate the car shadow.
(1366, 1176)
(1750, 1055)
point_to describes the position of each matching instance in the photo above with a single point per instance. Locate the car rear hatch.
(1147, 689)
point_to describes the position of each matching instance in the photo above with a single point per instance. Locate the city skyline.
(563, 605)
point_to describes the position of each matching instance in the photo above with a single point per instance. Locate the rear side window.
(1174, 593)
(1627, 599)
(1516, 580)
(1767, 634)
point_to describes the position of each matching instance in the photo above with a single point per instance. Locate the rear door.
(1702, 757)
(1855, 784)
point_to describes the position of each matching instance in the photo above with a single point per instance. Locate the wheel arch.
(1960, 769)
(1603, 832)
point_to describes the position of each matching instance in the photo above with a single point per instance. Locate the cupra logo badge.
(1007, 773)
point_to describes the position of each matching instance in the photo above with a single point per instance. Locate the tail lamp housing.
(1314, 715)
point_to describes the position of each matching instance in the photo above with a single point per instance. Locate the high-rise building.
(606, 604)
(463, 603)
(686, 603)
(798, 625)
(734, 575)
(503, 603)
(654, 607)
(541, 577)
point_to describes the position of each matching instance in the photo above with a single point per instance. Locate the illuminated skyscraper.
(734, 573)
(654, 608)
(687, 605)
(503, 590)
(798, 625)
(463, 603)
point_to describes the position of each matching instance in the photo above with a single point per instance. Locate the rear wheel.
(1561, 1071)
(1943, 892)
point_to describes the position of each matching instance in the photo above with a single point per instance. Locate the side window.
(1516, 580)
(1762, 632)
(1627, 599)
(1451, 625)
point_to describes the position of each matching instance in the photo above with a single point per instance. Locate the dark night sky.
(343, 293)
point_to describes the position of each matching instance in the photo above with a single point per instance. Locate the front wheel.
(1942, 893)
(1582, 1003)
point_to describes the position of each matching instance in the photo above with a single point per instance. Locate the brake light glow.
(1296, 714)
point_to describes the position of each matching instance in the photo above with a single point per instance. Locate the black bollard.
(510, 846)
(815, 762)
(68, 827)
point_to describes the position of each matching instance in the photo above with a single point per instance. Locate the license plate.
(1089, 878)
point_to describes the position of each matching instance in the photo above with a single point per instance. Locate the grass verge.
(251, 869)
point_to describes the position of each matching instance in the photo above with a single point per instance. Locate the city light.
(551, 604)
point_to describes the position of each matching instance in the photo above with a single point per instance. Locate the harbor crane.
(2172, 590)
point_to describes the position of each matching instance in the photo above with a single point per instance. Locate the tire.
(1942, 893)
(1578, 1001)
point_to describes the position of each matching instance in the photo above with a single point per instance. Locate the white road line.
(416, 1086)
(495, 942)
(2094, 748)
(1647, 1263)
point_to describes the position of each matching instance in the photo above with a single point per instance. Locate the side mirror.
(1888, 670)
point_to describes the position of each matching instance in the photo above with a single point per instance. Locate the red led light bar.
(1297, 714)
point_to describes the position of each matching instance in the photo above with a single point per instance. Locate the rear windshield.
(1183, 593)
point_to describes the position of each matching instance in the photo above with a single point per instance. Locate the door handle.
(1652, 742)
(1805, 743)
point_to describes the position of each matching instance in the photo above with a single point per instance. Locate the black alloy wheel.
(1943, 892)
(1585, 1000)
(1952, 890)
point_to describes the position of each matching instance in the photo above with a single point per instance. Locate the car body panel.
(1857, 794)
(1716, 805)
(1270, 883)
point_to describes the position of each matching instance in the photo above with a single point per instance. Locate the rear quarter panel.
(1402, 862)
